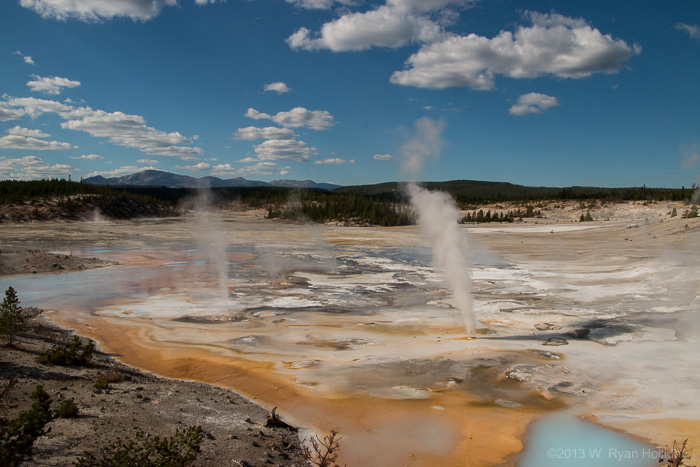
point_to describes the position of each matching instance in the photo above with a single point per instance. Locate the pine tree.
(12, 320)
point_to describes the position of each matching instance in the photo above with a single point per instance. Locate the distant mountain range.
(171, 180)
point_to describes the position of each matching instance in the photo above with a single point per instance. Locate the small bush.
(101, 384)
(148, 451)
(323, 452)
(67, 409)
(73, 354)
(17, 436)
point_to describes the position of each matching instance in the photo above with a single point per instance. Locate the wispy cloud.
(334, 161)
(383, 157)
(690, 155)
(532, 103)
(121, 171)
(32, 167)
(52, 86)
(91, 157)
(693, 30)
(119, 128)
(27, 59)
(23, 138)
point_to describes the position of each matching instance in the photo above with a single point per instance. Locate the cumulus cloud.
(27, 59)
(334, 161)
(552, 45)
(90, 157)
(23, 138)
(252, 133)
(386, 26)
(383, 157)
(121, 129)
(7, 112)
(532, 103)
(32, 167)
(97, 10)
(131, 131)
(147, 161)
(52, 86)
(284, 150)
(298, 117)
(33, 144)
(19, 131)
(34, 107)
(693, 30)
(279, 87)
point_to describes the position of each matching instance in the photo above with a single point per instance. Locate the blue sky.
(554, 93)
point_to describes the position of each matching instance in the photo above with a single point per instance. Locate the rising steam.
(439, 218)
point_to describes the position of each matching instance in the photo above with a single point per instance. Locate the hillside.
(474, 192)
(166, 179)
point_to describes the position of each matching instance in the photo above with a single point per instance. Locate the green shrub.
(17, 436)
(148, 451)
(73, 354)
(101, 384)
(67, 409)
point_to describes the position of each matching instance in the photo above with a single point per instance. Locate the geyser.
(439, 218)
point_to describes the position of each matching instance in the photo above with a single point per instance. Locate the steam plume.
(439, 218)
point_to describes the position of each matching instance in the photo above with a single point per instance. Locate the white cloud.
(23, 138)
(19, 131)
(121, 129)
(693, 30)
(334, 161)
(52, 86)
(690, 155)
(196, 167)
(383, 157)
(279, 87)
(430, 5)
(284, 150)
(32, 167)
(131, 131)
(97, 10)
(296, 118)
(34, 107)
(27, 59)
(147, 161)
(7, 112)
(532, 103)
(386, 26)
(92, 157)
(121, 171)
(260, 168)
(251, 133)
(553, 45)
(34, 144)
(319, 4)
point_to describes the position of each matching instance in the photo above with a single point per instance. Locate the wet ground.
(353, 329)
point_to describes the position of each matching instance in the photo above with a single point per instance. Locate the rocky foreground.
(235, 431)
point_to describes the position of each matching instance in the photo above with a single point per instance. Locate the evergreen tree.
(12, 320)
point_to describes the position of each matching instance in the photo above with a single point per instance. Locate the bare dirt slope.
(234, 427)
